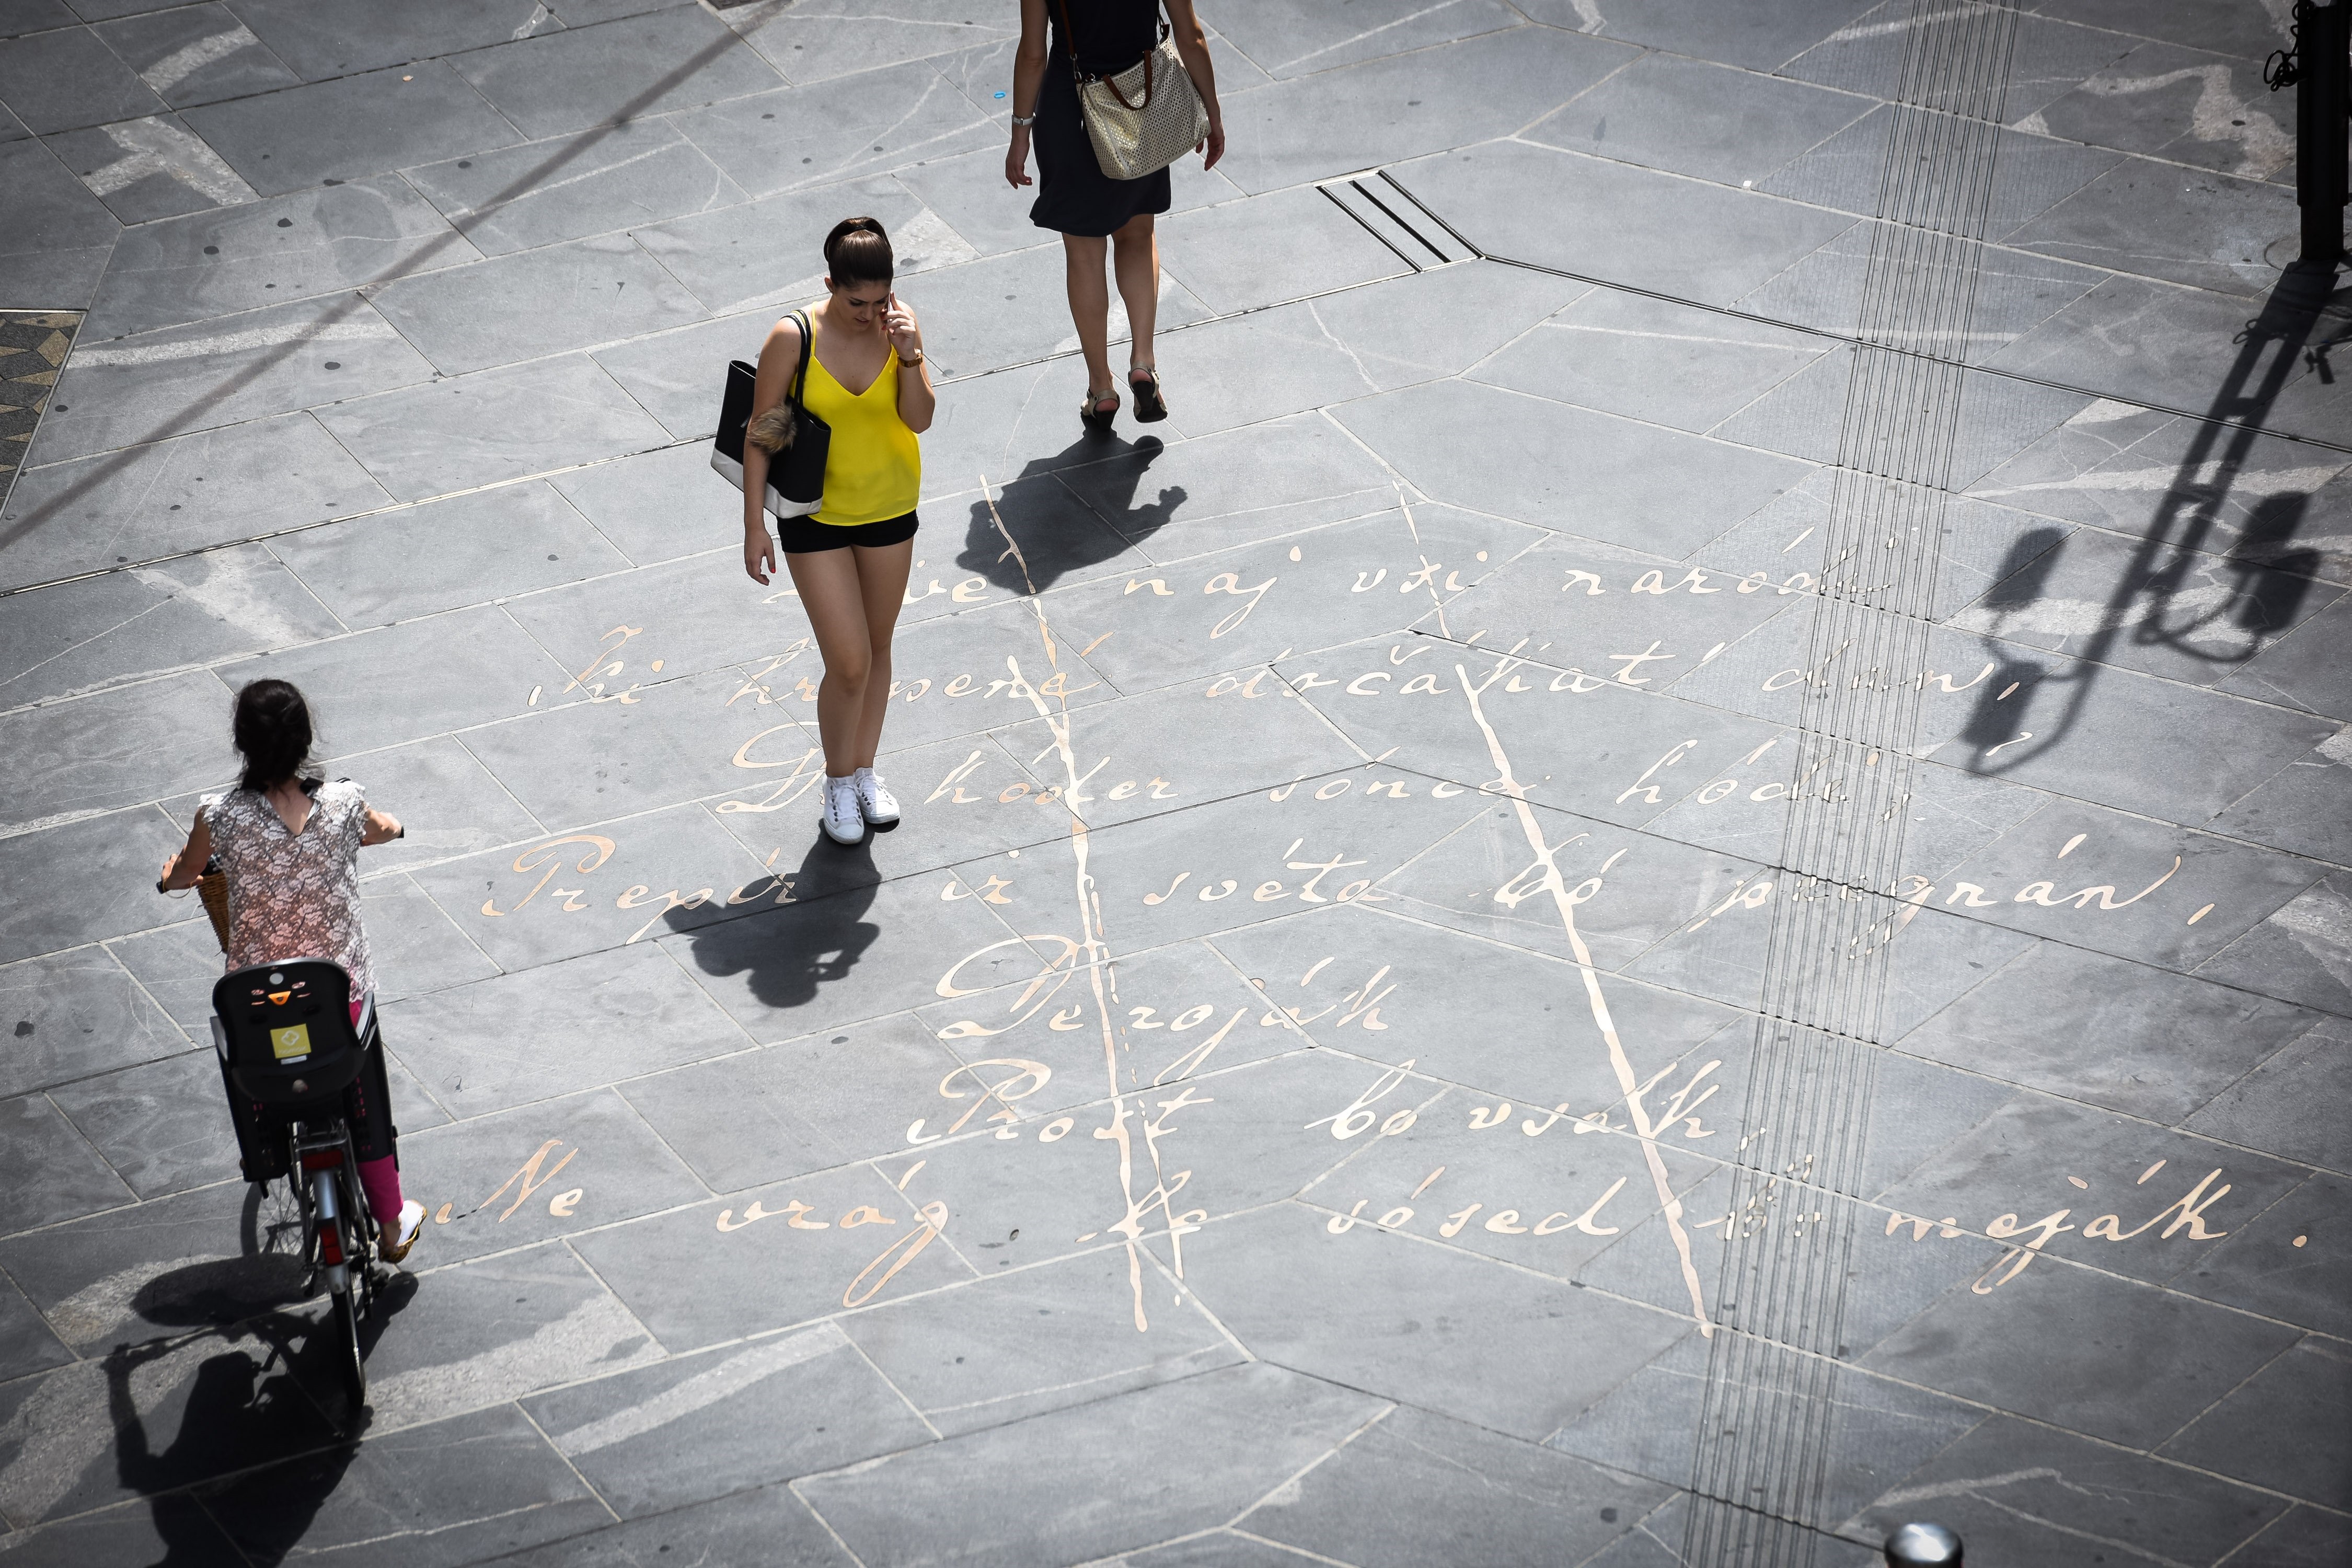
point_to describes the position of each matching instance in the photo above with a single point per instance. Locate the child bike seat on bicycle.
(284, 1031)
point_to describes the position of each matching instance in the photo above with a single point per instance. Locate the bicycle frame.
(338, 1240)
(339, 1246)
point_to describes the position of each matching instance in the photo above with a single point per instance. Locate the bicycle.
(288, 1042)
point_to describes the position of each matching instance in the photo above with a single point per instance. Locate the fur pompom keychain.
(772, 431)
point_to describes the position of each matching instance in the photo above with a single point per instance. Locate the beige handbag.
(1146, 116)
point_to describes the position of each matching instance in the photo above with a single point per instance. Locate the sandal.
(1093, 415)
(395, 1240)
(1149, 406)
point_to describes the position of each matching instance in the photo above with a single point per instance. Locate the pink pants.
(380, 1179)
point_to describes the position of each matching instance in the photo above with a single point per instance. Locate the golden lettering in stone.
(897, 1255)
(531, 1177)
(1041, 989)
(1358, 1114)
(1025, 1079)
(550, 856)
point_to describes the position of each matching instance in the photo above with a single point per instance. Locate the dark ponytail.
(857, 251)
(272, 729)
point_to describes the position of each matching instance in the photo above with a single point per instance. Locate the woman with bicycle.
(288, 843)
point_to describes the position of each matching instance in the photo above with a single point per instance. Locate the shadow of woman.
(1059, 532)
(237, 1415)
(816, 939)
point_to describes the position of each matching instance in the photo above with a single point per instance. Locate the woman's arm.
(1192, 48)
(1028, 77)
(381, 830)
(779, 361)
(183, 869)
(917, 401)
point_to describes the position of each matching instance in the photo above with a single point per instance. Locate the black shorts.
(806, 535)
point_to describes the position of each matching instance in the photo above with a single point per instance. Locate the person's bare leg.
(1090, 306)
(1136, 251)
(831, 594)
(882, 585)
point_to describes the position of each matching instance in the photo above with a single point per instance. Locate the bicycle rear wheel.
(351, 1301)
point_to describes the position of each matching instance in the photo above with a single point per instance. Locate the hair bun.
(858, 251)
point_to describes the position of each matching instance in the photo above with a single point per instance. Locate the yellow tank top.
(874, 468)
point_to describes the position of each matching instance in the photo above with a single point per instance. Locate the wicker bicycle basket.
(213, 888)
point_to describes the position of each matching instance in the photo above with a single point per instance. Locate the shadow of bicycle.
(266, 1396)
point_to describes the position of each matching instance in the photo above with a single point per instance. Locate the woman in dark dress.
(1081, 202)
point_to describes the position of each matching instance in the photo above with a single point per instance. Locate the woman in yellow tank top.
(849, 560)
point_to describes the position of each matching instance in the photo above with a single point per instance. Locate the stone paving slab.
(1310, 1080)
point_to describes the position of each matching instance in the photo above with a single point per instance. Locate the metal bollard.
(2319, 67)
(1922, 1545)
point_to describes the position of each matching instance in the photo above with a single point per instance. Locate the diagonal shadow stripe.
(528, 180)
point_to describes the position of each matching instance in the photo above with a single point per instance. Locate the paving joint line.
(1851, 340)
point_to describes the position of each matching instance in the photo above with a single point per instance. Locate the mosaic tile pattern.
(33, 345)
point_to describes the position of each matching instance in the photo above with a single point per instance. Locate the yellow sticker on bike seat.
(291, 1045)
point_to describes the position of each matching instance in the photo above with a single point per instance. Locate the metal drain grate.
(1388, 211)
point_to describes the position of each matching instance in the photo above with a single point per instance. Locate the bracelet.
(1024, 121)
(906, 363)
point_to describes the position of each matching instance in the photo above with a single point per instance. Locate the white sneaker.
(844, 822)
(875, 800)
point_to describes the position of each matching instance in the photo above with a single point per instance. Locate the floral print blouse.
(294, 895)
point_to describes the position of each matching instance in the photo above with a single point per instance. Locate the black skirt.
(1074, 195)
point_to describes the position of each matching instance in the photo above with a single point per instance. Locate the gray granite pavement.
(1667, 881)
